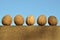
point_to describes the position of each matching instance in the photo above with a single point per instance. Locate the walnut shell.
(30, 20)
(52, 20)
(7, 20)
(19, 20)
(41, 20)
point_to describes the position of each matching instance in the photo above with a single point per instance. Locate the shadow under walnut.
(29, 33)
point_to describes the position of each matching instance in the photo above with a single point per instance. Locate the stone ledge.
(29, 32)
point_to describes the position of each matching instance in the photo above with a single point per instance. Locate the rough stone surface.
(30, 33)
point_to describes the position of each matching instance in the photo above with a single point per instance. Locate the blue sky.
(30, 7)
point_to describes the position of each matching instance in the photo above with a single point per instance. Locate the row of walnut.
(30, 20)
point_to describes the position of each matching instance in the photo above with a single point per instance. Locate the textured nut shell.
(19, 20)
(52, 20)
(7, 20)
(30, 20)
(41, 20)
